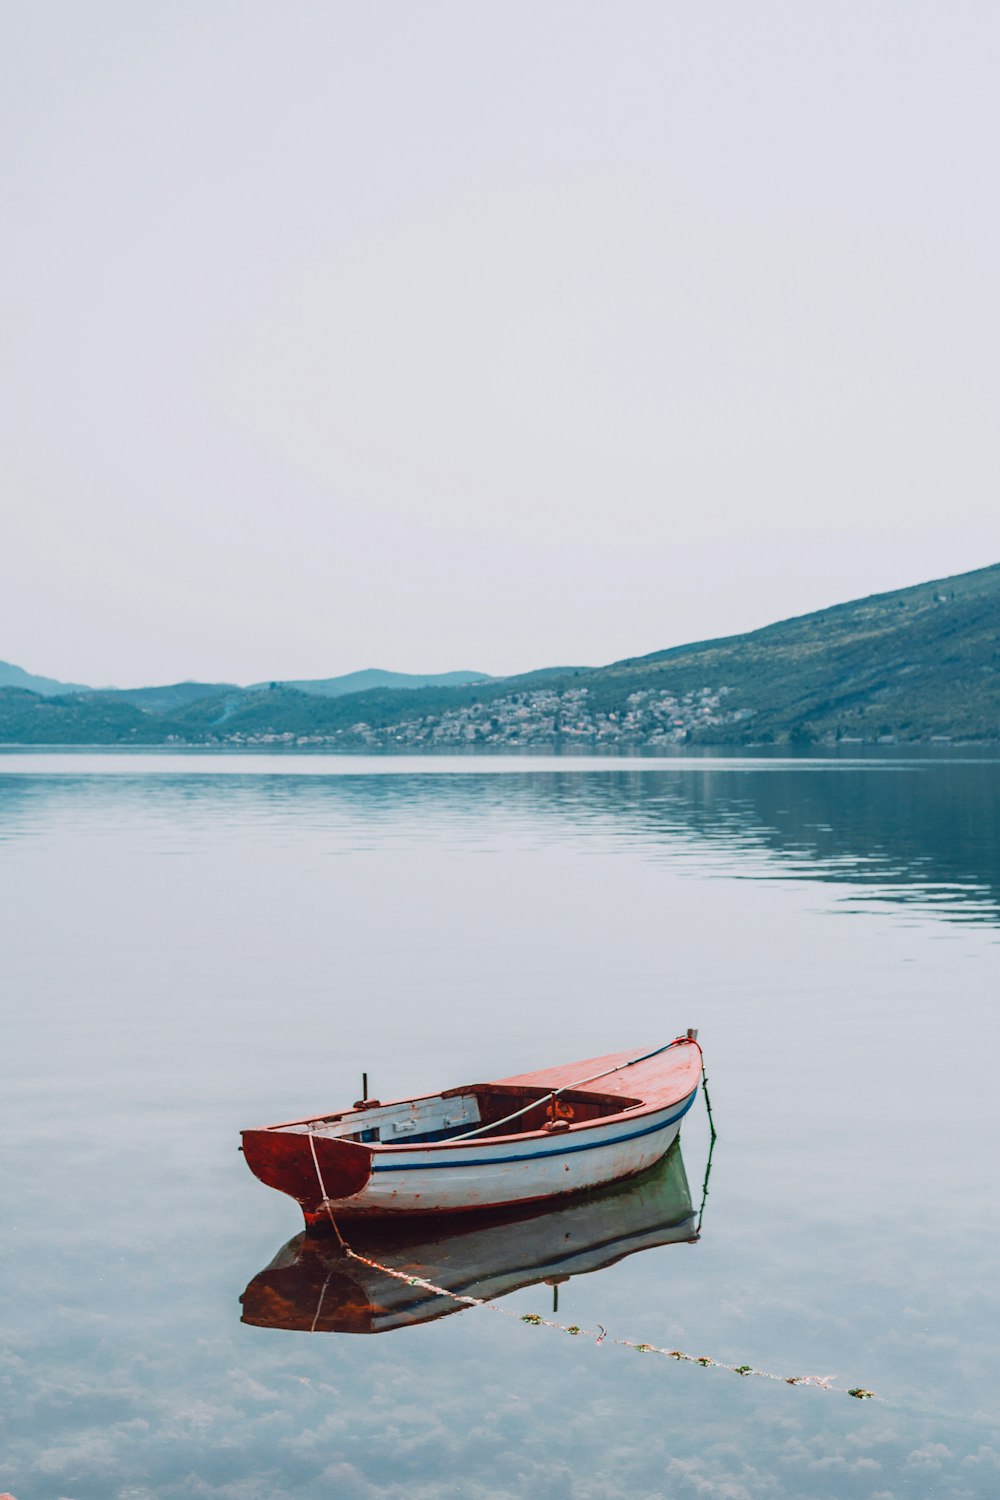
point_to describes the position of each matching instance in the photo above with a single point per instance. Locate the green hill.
(77, 719)
(174, 696)
(371, 678)
(917, 664)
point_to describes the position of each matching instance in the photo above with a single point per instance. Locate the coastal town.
(537, 718)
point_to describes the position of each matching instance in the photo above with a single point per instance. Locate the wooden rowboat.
(484, 1145)
(312, 1286)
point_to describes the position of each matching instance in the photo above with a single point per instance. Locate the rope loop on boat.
(605, 1073)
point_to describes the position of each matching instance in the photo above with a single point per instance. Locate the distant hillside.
(374, 677)
(917, 664)
(76, 719)
(914, 664)
(178, 695)
(17, 677)
(74, 714)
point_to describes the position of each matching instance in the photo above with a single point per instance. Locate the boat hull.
(330, 1167)
(505, 1173)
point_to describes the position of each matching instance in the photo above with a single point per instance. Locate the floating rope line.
(599, 1335)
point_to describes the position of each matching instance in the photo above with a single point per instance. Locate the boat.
(312, 1286)
(522, 1139)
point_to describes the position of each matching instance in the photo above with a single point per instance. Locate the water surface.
(192, 944)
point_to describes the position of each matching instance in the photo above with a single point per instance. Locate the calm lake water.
(193, 944)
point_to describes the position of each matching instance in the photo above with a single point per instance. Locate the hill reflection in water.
(911, 832)
(921, 831)
(913, 829)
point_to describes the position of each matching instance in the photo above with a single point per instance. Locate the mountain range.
(17, 677)
(180, 694)
(916, 664)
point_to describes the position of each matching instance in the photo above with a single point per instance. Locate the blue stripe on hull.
(497, 1161)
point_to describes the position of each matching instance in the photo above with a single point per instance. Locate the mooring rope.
(598, 1335)
(578, 1084)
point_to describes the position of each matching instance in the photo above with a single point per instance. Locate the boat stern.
(283, 1159)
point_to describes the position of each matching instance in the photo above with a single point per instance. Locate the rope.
(704, 1188)
(545, 1098)
(326, 1198)
(598, 1335)
(708, 1102)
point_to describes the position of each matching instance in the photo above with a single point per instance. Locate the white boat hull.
(410, 1182)
(445, 1153)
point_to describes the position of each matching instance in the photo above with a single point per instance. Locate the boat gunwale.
(636, 1110)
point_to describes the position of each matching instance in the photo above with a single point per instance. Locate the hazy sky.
(489, 335)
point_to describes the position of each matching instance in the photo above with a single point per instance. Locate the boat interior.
(443, 1117)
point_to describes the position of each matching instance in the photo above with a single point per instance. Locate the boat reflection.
(312, 1286)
